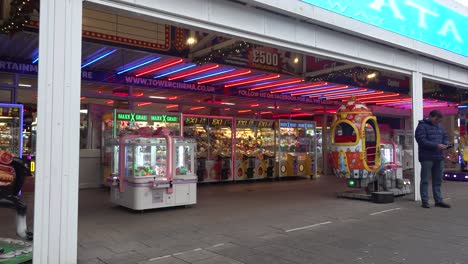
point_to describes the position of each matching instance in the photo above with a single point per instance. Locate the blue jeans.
(434, 168)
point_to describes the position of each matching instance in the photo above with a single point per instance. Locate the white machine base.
(146, 197)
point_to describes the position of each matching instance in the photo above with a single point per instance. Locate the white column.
(417, 114)
(56, 193)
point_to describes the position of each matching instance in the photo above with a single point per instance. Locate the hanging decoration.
(218, 54)
(19, 17)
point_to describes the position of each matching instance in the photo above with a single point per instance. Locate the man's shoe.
(443, 205)
(425, 205)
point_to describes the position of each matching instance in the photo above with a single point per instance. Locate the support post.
(56, 181)
(417, 114)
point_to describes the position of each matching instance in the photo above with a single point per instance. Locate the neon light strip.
(171, 106)
(244, 111)
(363, 94)
(225, 77)
(318, 90)
(244, 78)
(441, 105)
(339, 96)
(174, 71)
(383, 100)
(275, 84)
(35, 60)
(194, 72)
(144, 103)
(210, 75)
(394, 102)
(139, 65)
(197, 108)
(377, 97)
(296, 88)
(251, 81)
(333, 93)
(160, 67)
(98, 58)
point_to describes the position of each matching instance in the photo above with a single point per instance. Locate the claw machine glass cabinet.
(118, 123)
(255, 149)
(154, 172)
(214, 137)
(297, 148)
(11, 128)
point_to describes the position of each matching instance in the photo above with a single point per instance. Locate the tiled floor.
(297, 221)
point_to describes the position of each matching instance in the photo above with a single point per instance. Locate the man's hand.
(441, 146)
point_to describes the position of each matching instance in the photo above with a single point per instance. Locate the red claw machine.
(124, 122)
(154, 171)
(297, 148)
(214, 136)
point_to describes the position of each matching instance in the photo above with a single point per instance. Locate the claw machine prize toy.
(247, 148)
(154, 171)
(11, 129)
(124, 122)
(297, 148)
(214, 146)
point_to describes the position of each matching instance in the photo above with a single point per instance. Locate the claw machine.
(247, 148)
(154, 171)
(297, 148)
(255, 149)
(11, 128)
(119, 122)
(266, 136)
(215, 141)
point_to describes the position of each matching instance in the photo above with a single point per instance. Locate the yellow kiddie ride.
(358, 155)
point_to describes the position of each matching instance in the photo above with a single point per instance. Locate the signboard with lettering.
(429, 21)
(293, 124)
(147, 117)
(245, 123)
(191, 120)
(111, 77)
(220, 122)
(265, 124)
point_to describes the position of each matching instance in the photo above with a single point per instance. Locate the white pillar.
(56, 193)
(417, 114)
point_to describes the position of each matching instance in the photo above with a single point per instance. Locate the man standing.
(432, 140)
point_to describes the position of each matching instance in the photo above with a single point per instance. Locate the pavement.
(287, 221)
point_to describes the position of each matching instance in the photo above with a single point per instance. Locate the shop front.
(253, 109)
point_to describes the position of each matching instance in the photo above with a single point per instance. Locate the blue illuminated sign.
(428, 21)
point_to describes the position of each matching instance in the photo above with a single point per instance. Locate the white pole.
(417, 114)
(56, 193)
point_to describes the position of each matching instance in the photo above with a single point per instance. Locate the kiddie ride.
(357, 154)
(13, 172)
(154, 171)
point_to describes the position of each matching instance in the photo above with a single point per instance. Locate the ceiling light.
(24, 85)
(157, 97)
(372, 75)
(226, 103)
(191, 41)
(296, 60)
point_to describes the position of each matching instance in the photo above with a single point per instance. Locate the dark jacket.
(428, 137)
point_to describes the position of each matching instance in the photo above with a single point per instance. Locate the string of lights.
(19, 16)
(216, 55)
